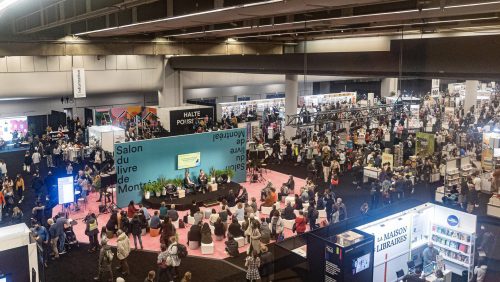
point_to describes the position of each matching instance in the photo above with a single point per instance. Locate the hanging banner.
(79, 90)
(425, 144)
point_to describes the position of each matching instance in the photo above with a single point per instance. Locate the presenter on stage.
(203, 180)
(188, 183)
(429, 254)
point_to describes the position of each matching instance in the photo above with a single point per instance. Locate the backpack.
(181, 251)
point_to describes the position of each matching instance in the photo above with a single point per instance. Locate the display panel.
(66, 191)
(361, 263)
(9, 125)
(188, 160)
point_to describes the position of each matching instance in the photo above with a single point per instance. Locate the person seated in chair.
(194, 233)
(271, 198)
(188, 184)
(243, 198)
(231, 246)
(203, 181)
(288, 213)
(265, 191)
(286, 188)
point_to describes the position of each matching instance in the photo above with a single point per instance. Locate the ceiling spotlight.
(231, 40)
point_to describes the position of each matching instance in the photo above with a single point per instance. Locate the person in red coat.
(300, 223)
(131, 209)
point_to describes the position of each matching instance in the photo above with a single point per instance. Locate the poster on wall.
(142, 161)
(182, 121)
(388, 158)
(424, 144)
(333, 267)
(9, 125)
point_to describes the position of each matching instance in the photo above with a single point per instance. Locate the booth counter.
(371, 172)
(493, 207)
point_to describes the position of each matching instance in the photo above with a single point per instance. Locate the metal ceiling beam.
(269, 8)
(126, 4)
(388, 18)
(345, 115)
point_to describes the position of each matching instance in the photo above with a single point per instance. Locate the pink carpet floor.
(153, 243)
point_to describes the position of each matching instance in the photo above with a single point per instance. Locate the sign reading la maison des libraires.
(391, 238)
(181, 121)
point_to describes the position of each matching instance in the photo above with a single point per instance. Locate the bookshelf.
(456, 246)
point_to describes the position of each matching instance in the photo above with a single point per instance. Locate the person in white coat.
(480, 272)
(122, 251)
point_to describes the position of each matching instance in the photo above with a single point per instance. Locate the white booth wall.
(411, 229)
(108, 136)
(16, 236)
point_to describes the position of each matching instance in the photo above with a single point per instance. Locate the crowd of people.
(328, 159)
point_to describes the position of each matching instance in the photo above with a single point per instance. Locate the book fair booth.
(18, 255)
(388, 244)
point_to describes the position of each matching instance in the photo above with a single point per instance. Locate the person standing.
(61, 223)
(2, 204)
(342, 209)
(48, 155)
(122, 251)
(136, 230)
(19, 188)
(36, 157)
(92, 231)
(27, 162)
(53, 238)
(161, 261)
(429, 254)
(252, 263)
(105, 261)
(173, 252)
(267, 265)
(300, 223)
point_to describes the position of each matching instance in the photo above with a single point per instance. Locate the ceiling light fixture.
(6, 3)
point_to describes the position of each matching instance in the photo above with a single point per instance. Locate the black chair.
(411, 266)
(400, 274)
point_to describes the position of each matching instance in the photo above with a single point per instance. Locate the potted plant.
(177, 182)
(230, 174)
(148, 188)
(157, 188)
(212, 175)
(163, 184)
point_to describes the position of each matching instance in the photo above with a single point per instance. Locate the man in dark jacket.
(232, 246)
(266, 268)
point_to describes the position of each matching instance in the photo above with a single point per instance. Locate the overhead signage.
(182, 121)
(79, 90)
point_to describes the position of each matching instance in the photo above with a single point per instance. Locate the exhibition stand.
(400, 233)
(18, 254)
(105, 136)
(168, 159)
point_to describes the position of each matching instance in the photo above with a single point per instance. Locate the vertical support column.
(170, 8)
(388, 86)
(291, 100)
(470, 94)
(171, 94)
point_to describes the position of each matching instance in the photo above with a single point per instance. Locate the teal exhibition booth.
(142, 161)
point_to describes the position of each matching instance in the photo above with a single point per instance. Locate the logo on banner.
(452, 220)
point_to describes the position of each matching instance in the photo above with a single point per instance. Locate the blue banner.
(142, 161)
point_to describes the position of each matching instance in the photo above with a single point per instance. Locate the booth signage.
(181, 121)
(79, 90)
(452, 220)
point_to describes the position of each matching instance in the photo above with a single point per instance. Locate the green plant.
(212, 171)
(148, 187)
(219, 172)
(178, 181)
(163, 182)
(230, 172)
(157, 187)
